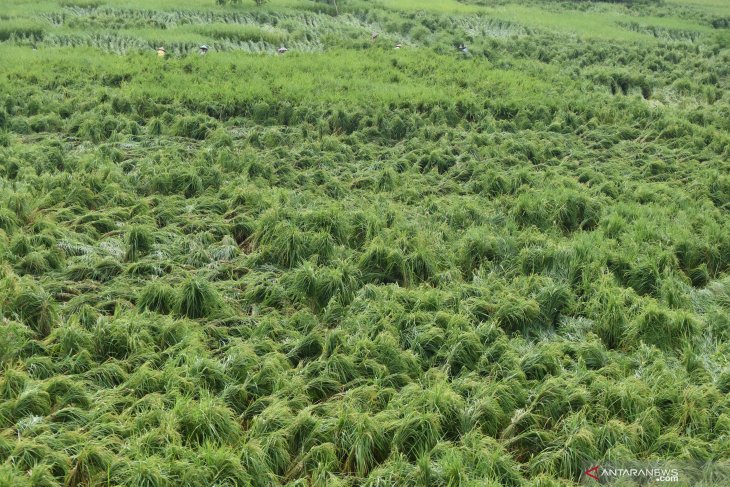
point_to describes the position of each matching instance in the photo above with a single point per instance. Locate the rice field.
(354, 265)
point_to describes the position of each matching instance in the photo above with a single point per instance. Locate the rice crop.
(496, 255)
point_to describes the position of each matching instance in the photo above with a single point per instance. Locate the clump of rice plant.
(197, 298)
(151, 472)
(416, 434)
(286, 245)
(663, 328)
(383, 263)
(139, 242)
(119, 337)
(480, 247)
(221, 465)
(157, 296)
(32, 401)
(608, 309)
(320, 285)
(86, 316)
(554, 299)
(516, 313)
(320, 458)
(308, 347)
(70, 339)
(89, 463)
(36, 308)
(20, 245)
(109, 374)
(14, 339)
(566, 456)
(12, 383)
(486, 414)
(362, 441)
(154, 127)
(205, 421)
(465, 349)
(101, 269)
(421, 263)
(8, 221)
(34, 263)
(242, 228)
(193, 127)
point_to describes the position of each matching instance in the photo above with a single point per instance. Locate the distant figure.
(161, 51)
(462, 48)
(203, 50)
(374, 36)
(282, 50)
(397, 46)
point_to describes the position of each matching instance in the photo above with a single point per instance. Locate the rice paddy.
(354, 265)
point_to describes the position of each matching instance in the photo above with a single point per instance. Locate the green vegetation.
(352, 265)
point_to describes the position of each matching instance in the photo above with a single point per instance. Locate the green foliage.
(36, 308)
(157, 296)
(196, 298)
(286, 245)
(205, 421)
(517, 314)
(663, 328)
(355, 265)
(139, 242)
(193, 127)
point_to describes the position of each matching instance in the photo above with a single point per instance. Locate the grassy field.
(354, 265)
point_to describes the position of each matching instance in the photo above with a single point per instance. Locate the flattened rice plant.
(197, 298)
